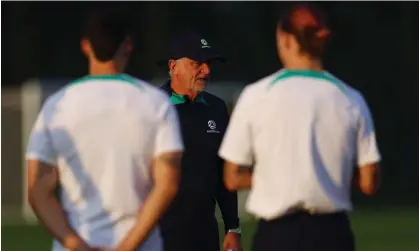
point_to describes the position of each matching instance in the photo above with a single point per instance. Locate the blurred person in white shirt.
(111, 145)
(294, 139)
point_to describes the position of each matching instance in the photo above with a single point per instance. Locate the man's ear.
(287, 41)
(172, 66)
(292, 43)
(85, 46)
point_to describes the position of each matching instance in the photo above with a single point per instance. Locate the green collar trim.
(180, 99)
(115, 77)
(309, 74)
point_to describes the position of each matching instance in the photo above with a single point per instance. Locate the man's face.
(192, 74)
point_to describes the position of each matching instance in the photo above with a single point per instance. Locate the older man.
(190, 222)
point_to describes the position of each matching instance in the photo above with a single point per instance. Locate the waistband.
(298, 213)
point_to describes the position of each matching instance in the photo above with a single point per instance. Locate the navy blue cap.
(192, 46)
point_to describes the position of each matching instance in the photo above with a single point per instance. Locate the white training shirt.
(303, 131)
(102, 133)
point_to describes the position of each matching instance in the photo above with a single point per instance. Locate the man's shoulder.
(260, 86)
(252, 92)
(153, 91)
(49, 106)
(356, 97)
(267, 80)
(352, 93)
(166, 87)
(212, 99)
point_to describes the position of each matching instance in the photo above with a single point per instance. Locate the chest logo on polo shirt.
(212, 126)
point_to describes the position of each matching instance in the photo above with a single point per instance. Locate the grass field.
(378, 230)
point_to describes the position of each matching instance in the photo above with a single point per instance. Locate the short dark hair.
(307, 23)
(107, 30)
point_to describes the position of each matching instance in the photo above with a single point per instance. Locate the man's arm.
(237, 177)
(227, 200)
(228, 203)
(42, 184)
(237, 147)
(168, 150)
(166, 172)
(43, 180)
(367, 176)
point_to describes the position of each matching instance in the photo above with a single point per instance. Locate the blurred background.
(374, 48)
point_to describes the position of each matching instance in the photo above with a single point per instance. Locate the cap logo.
(204, 44)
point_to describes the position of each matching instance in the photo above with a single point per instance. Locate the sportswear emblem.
(204, 44)
(212, 126)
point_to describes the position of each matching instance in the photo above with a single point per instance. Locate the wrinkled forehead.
(186, 64)
(190, 61)
(183, 61)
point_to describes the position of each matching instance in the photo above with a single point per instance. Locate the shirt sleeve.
(168, 138)
(236, 146)
(40, 145)
(367, 149)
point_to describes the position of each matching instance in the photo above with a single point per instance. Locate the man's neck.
(108, 68)
(304, 64)
(181, 90)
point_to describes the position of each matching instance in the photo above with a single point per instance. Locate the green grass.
(386, 230)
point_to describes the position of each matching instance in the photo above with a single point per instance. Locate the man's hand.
(231, 241)
(83, 246)
(237, 177)
(166, 173)
(93, 249)
(43, 179)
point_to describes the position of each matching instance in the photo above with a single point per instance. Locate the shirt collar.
(180, 99)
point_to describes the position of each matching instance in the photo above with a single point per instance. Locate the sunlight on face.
(193, 74)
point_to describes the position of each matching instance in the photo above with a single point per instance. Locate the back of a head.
(307, 24)
(106, 31)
